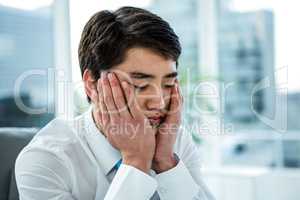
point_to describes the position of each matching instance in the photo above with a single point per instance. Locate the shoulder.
(58, 139)
(58, 133)
(50, 152)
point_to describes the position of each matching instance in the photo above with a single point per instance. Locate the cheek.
(141, 102)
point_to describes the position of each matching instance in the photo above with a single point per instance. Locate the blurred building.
(291, 148)
(246, 58)
(293, 102)
(182, 16)
(26, 54)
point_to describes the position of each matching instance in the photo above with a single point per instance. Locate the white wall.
(253, 183)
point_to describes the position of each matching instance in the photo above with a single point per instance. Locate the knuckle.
(117, 96)
(106, 98)
(122, 108)
(118, 101)
(105, 120)
(101, 101)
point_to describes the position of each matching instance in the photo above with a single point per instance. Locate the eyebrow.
(140, 75)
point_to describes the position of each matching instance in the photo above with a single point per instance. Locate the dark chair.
(12, 141)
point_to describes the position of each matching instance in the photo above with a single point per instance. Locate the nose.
(156, 100)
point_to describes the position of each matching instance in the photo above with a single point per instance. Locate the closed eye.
(169, 86)
(140, 87)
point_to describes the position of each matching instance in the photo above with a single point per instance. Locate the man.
(129, 145)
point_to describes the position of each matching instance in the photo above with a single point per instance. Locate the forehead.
(146, 61)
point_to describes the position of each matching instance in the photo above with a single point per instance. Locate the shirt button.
(162, 190)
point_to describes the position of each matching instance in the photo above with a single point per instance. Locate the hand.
(125, 127)
(167, 132)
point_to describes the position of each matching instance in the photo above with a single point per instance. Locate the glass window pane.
(26, 59)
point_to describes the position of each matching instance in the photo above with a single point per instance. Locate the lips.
(155, 121)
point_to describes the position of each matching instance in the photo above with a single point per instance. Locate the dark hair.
(108, 35)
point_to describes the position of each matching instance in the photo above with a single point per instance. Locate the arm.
(42, 175)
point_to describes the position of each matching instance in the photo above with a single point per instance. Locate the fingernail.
(110, 76)
(124, 84)
(103, 74)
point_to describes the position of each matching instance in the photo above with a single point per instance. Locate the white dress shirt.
(68, 160)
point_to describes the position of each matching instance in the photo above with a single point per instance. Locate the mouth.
(156, 121)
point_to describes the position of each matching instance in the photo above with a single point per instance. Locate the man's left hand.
(164, 158)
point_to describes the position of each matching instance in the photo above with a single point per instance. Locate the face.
(153, 77)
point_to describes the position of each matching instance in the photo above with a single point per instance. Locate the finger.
(118, 96)
(108, 98)
(102, 106)
(175, 100)
(179, 93)
(131, 101)
(128, 97)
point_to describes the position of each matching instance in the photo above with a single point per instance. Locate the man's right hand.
(123, 124)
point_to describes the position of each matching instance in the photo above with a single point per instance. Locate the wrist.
(141, 164)
(164, 164)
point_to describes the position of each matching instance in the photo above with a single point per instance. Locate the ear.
(90, 85)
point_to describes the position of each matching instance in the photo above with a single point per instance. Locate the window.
(26, 60)
(253, 40)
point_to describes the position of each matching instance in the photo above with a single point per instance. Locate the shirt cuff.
(131, 183)
(176, 183)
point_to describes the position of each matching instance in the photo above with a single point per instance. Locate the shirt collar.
(106, 155)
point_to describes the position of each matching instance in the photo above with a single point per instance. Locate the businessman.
(130, 144)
